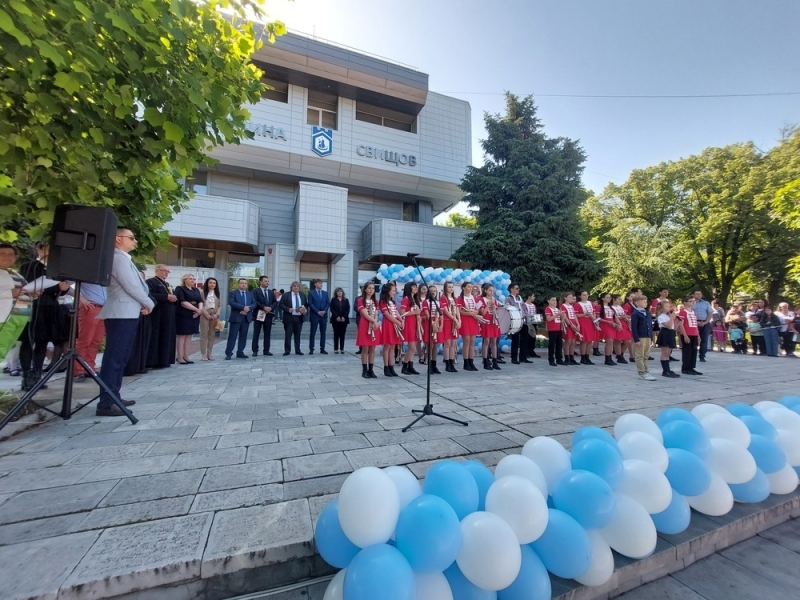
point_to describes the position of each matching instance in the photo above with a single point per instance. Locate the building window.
(275, 90)
(322, 109)
(245, 265)
(198, 182)
(409, 212)
(198, 259)
(377, 115)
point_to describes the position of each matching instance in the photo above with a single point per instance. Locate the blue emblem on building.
(322, 140)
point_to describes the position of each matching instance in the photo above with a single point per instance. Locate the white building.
(352, 158)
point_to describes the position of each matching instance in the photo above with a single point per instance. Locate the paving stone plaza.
(232, 461)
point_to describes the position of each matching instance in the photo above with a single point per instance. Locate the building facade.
(352, 158)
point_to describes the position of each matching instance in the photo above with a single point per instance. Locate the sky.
(743, 52)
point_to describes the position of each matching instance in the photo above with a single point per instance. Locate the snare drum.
(509, 319)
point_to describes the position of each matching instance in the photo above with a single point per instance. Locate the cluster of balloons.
(466, 533)
(403, 274)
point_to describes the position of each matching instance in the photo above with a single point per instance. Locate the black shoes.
(285, 354)
(267, 353)
(323, 351)
(370, 371)
(227, 357)
(495, 366)
(299, 353)
(610, 362)
(487, 365)
(690, 372)
(621, 360)
(114, 411)
(310, 351)
(241, 355)
(702, 359)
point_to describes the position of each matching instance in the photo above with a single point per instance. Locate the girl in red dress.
(572, 331)
(431, 328)
(489, 330)
(368, 335)
(468, 309)
(624, 335)
(451, 321)
(422, 344)
(409, 313)
(584, 309)
(609, 328)
(391, 328)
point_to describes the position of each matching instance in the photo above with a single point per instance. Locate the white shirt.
(295, 303)
(7, 286)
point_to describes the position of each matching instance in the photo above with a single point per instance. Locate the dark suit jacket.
(317, 301)
(264, 299)
(235, 302)
(340, 309)
(286, 302)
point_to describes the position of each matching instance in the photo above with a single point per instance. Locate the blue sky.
(476, 49)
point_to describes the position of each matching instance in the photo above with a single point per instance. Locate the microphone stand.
(427, 410)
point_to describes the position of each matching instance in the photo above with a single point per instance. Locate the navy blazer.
(235, 302)
(318, 300)
(264, 299)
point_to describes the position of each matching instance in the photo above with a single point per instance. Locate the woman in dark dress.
(187, 317)
(137, 363)
(340, 318)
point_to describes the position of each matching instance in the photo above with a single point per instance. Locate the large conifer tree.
(526, 197)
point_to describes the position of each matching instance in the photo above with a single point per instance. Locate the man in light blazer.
(265, 301)
(318, 305)
(294, 305)
(242, 306)
(127, 298)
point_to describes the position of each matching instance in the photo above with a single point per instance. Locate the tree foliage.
(113, 103)
(526, 198)
(461, 221)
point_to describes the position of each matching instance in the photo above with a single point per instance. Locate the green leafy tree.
(526, 198)
(113, 103)
(462, 221)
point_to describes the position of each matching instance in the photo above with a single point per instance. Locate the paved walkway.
(232, 461)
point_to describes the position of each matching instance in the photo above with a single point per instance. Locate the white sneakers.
(647, 377)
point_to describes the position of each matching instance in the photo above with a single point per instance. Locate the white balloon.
(731, 461)
(406, 483)
(631, 531)
(553, 459)
(716, 501)
(783, 418)
(703, 410)
(646, 484)
(784, 481)
(765, 405)
(726, 426)
(517, 464)
(641, 446)
(490, 555)
(432, 586)
(369, 505)
(520, 503)
(636, 422)
(335, 589)
(790, 444)
(602, 567)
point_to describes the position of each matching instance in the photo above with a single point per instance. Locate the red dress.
(624, 333)
(469, 324)
(389, 336)
(586, 323)
(447, 323)
(569, 316)
(489, 330)
(363, 337)
(424, 316)
(410, 331)
(607, 330)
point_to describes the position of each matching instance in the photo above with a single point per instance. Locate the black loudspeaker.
(82, 244)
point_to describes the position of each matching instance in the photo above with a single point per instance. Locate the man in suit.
(127, 298)
(294, 306)
(266, 303)
(242, 305)
(318, 303)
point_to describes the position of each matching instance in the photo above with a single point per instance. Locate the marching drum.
(509, 319)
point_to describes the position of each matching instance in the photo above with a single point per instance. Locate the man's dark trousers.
(239, 329)
(258, 326)
(705, 332)
(322, 323)
(292, 325)
(120, 334)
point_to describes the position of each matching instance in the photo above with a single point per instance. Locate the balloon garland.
(466, 533)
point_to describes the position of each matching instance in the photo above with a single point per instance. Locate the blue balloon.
(760, 426)
(455, 484)
(675, 518)
(600, 458)
(769, 457)
(687, 474)
(591, 432)
(533, 582)
(797, 470)
(463, 588)
(428, 534)
(790, 401)
(379, 571)
(686, 436)
(755, 490)
(483, 477)
(742, 410)
(675, 414)
(564, 546)
(585, 497)
(332, 543)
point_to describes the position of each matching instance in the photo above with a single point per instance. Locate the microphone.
(412, 254)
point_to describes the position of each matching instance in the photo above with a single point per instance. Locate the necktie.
(296, 303)
(244, 298)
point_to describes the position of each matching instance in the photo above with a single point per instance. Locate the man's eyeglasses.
(133, 237)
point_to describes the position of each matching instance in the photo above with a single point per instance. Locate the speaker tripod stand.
(69, 358)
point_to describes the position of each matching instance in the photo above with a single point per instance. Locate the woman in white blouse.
(788, 329)
(209, 318)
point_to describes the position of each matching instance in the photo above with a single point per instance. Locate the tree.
(113, 103)
(462, 221)
(526, 198)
